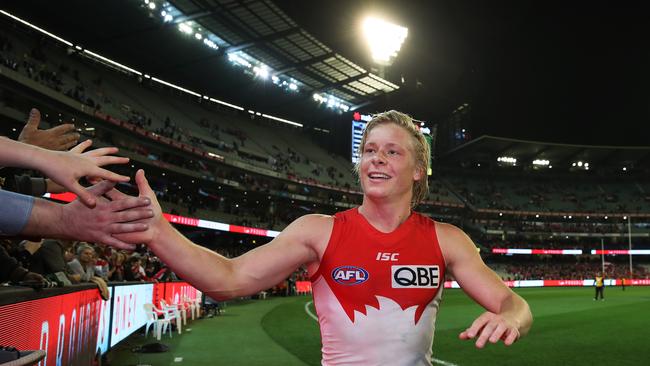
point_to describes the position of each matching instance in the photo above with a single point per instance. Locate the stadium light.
(385, 39)
(507, 160)
(210, 44)
(152, 5)
(185, 28)
(262, 71)
(236, 59)
(541, 162)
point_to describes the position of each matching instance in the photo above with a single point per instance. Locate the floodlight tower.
(384, 39)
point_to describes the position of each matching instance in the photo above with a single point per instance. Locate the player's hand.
(153, 224)
(60, 137)
(491, 327)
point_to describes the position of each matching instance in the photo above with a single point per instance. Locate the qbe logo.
(415, 276)
(349, 275)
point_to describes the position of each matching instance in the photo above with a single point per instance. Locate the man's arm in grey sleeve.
(15, 212)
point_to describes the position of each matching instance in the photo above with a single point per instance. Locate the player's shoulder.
(311, 224)
(449, 232)
(315, 219)
(454, 243)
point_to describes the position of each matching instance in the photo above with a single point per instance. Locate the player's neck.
(385, 216)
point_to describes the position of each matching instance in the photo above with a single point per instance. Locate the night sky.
(572, 72)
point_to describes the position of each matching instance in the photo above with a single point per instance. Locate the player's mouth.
(378, 177)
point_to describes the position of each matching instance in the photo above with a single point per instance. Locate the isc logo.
(387, 257)
(349, 275)
(415, 276)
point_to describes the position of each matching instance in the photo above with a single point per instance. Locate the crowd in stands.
(564, 225)
(89, 92)
(555, 270)
(559, 242)
(555, 194)
(81, 262)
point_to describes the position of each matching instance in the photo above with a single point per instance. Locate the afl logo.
(349, 275)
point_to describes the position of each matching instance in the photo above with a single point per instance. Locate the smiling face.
(388, 168)
(395, 143)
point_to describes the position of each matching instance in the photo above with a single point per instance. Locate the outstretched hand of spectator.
(66, 168)
(60, 137)
(120, 215)
(53, 187)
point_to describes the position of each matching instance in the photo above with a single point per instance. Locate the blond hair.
(421, 150)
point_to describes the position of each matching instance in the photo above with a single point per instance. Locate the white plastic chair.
(173, 312)
(194, 307)
(197, 305)
(160, 322)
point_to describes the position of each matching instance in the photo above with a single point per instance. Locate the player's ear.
(418, 174)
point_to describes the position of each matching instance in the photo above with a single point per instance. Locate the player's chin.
(376, 192)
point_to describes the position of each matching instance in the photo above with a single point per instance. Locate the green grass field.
(570, 329)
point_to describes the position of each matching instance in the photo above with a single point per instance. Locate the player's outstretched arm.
(508, 316)
(221, 277)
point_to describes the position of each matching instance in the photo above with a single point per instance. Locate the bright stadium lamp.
(385, 39)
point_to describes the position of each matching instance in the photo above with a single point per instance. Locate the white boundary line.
(309, 311)
(442, 362)
(435, 360)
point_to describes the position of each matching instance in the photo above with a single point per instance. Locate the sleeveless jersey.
(377, 294)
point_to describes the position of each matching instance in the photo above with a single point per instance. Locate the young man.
(377, 270)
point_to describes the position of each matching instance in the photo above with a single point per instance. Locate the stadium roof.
(265, 32)
(488, 148)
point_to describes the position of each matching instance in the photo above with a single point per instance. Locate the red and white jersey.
(377, 294)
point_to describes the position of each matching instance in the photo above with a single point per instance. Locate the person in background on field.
(600, 286)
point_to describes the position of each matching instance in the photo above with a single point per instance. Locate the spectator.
(50, 257)
(102, 262)
(133, 269)
(10, 270)
(83, 266)
(116, 270)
